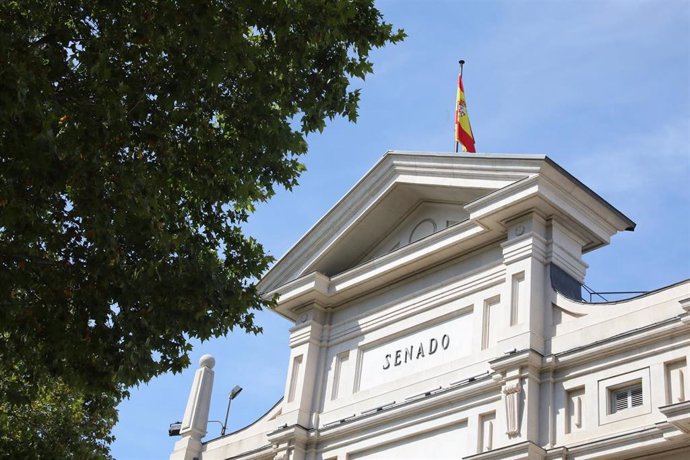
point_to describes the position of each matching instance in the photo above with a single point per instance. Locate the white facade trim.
(430, 322)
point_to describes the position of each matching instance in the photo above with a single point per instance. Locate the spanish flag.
(463, 130)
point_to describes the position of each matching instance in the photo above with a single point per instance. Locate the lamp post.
(233, 393)
(174, 429)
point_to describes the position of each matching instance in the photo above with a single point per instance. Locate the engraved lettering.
(388, 362)
(445, 341)
(433, 346)
(420, 352)
(408, 353)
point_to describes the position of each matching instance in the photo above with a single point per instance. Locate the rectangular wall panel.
(294, 376)
(675, 381)
(448, 443)
(490, 322)
(416, 352)
(517, 295)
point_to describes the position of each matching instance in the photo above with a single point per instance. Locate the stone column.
(302, 380)
(303, 385)
(195, 420)
(524, 257)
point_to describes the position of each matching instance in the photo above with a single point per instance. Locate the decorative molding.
(449, 238)
(453, 399)
(528, 245)
(527, 358)
(307, 332)
(394, 311)
(517, 286)
(414, 168)
(678, 415)
(317, 287)
(511, 396)
(413, 237)
(629, 340)
(633, 443)
(591, 215)
(489, 320)
(685, 305)
(523, 450)
(517, 183)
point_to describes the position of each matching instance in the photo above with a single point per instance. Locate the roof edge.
(629, 222)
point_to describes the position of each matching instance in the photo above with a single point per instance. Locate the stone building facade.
(437, 315)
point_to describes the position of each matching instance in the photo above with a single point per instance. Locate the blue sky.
(602, 87)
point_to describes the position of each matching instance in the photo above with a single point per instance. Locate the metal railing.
(600, 294)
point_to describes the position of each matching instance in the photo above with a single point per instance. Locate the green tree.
(135, 139)
(47, 419)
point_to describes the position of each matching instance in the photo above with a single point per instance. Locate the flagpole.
(461, 62)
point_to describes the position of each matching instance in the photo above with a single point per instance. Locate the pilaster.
(303, 372)
(289, 443)
(565, 249)
(524, 256)
(520, 393)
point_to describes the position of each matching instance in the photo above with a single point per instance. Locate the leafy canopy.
(135, 137)
(47, 419)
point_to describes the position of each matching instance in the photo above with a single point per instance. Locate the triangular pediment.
(422, 220)
(403, 198)
(406, 214)
(413, 210)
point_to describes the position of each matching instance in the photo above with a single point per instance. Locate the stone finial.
(195, 420)
(207, 361)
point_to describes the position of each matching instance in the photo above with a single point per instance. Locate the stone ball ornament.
(207, 361)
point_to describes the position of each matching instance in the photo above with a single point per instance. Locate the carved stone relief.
(511, 396)
(424, 228)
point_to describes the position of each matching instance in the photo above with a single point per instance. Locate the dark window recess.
(564, 283)
(625, 398)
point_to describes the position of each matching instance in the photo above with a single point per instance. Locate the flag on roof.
(463, 130)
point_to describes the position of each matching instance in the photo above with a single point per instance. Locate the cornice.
(630, 442)
(359, 198)
(420, 255)
(678, 415)
(551, 196)
(514, 184)
(416, 303)
(525, 449)
(454, 398)
(629, 340)
(483, 171)
(516, 359)
(625, 222)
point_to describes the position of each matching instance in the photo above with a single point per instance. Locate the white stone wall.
(450, 342)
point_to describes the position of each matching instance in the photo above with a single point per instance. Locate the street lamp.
(174, 429)
(233, 393)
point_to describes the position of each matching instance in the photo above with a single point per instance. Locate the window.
(626, 397)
